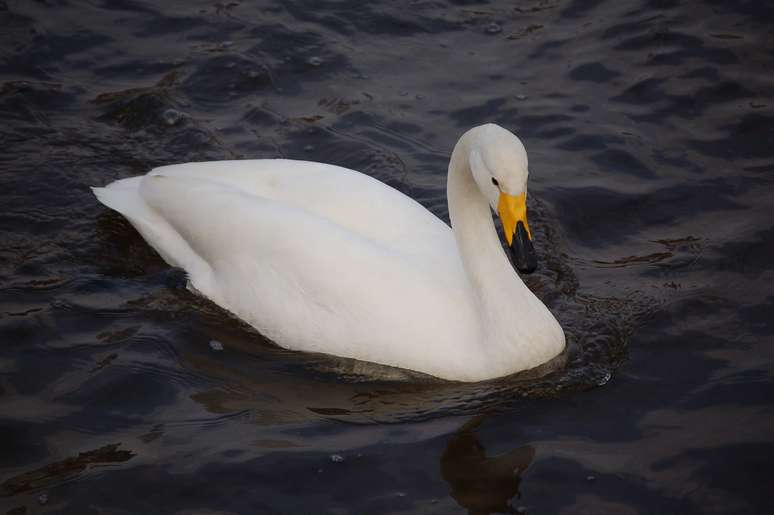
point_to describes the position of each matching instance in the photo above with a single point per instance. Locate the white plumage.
(321, 258)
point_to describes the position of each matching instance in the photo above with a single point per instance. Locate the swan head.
(499, 165)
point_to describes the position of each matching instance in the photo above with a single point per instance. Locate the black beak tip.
(522, 251)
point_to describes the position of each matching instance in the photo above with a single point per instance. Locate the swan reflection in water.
(478, 483)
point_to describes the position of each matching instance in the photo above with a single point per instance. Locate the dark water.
(650, 129)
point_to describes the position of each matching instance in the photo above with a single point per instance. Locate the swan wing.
(313, 279)
(348, 198)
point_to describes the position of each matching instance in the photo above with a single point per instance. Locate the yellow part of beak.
(512, 210)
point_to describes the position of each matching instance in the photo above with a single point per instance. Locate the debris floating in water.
(493, 28)
(590, 478)
(216, 345)
(337, 458)
(314, 61)
(172, 117)
(43, 498)
(602, 381)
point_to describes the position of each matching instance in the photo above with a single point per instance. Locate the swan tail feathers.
(124, 196)
(121, 195)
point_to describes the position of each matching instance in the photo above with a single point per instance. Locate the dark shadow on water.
(64, 470)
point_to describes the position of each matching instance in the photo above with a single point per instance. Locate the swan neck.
(518, 332)
(486, 264)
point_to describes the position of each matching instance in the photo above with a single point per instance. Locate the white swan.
(324, 259)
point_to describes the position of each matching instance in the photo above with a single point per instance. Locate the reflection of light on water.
(352, 391)
(480, 483)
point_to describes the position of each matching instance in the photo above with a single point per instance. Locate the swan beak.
(513, 214)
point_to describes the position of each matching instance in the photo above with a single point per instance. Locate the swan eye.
(494, 181)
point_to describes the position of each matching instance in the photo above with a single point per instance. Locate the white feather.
(325, 259)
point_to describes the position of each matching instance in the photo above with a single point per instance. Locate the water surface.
(650, 130)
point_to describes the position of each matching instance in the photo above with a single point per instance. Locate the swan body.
(321, 258)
